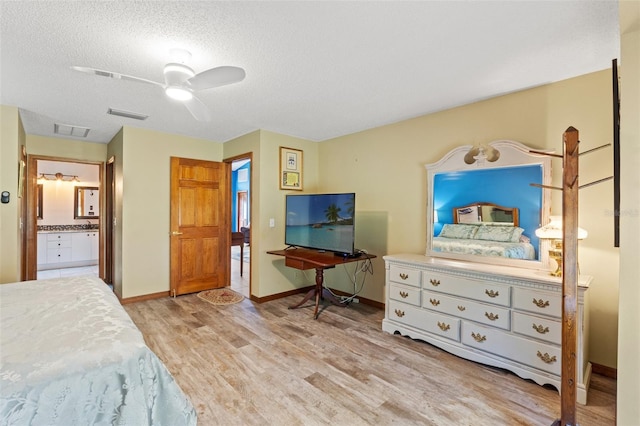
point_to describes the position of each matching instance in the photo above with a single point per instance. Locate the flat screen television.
(321, 222)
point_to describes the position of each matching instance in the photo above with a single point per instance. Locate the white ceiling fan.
(180, 81)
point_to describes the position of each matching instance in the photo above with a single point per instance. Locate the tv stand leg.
(318, 290)
(319, 294)
(308, 296)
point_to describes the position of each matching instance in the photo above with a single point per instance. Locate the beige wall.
(11, 140)
(628, 402)
(143, 225)
(69, 149)
(385, 167)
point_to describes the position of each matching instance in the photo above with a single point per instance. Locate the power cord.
(361, 267)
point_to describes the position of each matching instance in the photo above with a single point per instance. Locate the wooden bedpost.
(568, 387)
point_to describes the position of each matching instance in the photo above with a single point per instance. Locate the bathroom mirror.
(470, 178)
(86, 202)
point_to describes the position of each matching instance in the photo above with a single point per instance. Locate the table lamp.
(553, 231)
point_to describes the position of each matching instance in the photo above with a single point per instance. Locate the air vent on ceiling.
(70, 130)
(104, 73)
(127, 114)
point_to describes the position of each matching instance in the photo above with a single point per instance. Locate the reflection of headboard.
(481, 212)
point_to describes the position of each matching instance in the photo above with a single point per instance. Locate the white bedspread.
(70, 355)
(484, 248)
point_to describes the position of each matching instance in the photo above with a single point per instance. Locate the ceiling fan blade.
(216, 77)
(117, 76)
(199, 110)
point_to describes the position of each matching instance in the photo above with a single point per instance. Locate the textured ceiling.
(315, 70)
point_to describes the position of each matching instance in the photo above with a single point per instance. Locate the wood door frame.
(230, 160)
(108, 213)
(30, 237)
(238, 217)
(24, 207)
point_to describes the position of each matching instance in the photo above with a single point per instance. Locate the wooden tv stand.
(300, 258)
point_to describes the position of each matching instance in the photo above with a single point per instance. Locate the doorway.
(240, 258)
(51, 207)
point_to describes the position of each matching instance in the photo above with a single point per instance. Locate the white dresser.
(497, 315)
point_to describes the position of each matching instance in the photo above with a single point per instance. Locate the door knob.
(176, 233)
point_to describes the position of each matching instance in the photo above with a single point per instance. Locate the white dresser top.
(482, 268)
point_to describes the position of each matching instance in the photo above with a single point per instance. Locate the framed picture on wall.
(290, 168)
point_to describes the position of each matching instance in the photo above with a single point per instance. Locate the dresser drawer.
(56, 255)
(538, 327)
(405, 276)
(464, 308)
(434, 323)
(484, 291)
(58, 244)
(404, 293)
(59, 237)
(540, 302)
(542, 356)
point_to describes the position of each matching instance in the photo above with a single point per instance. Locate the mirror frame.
(75, 202)
(39, 205)
(500, 154)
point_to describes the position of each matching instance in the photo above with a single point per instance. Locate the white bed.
(508, 250)
(70, 355)
(484, 239)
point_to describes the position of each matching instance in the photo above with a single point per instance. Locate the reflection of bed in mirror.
(485, 229)
(488, 185)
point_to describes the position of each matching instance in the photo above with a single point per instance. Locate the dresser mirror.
(86, 202)
(481, 205)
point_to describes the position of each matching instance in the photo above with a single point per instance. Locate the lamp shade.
(553, 230)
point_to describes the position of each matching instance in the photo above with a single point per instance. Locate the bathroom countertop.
(53, 229)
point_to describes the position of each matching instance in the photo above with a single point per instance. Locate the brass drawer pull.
(461, 308)
(540, 328)
(443, 326)
(434, 282)
(492, 293)
(404, 294)
(478, 337)
(546, 358)
(404, 276)
(434, 302)
(540, 303)
(399, 313)
(491, 316)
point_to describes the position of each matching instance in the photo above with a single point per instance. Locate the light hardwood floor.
(262, 364)
(239, 283)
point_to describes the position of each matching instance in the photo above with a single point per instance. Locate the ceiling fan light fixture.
(177, 73)
(179, 93)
